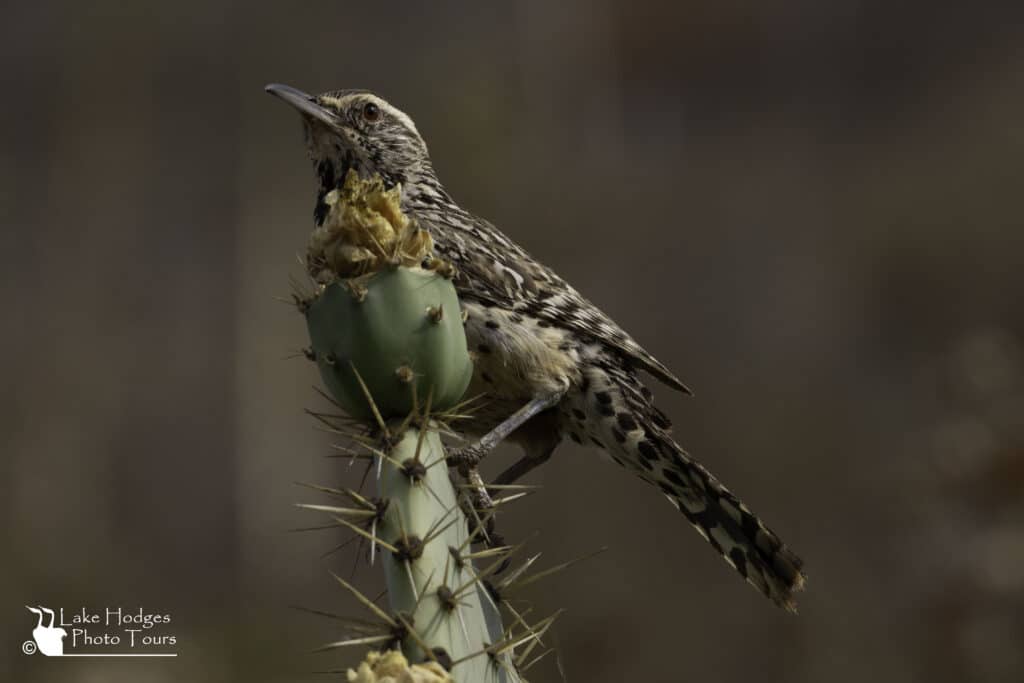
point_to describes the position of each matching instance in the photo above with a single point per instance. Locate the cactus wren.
(552, 365)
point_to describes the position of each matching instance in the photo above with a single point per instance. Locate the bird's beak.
(306, 104)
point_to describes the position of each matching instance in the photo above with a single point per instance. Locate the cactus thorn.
(340, 546)
(434, 534)
(330, 399)
(327, 418)
(319, 527)
(532, 633)
(411, 632)
(510, 579)
(435, 313)
(501, 550)
(348, 453)
(327, 427)
(366, 602)
(373, 405)
(412, 582)
(512, 584)
(480, 530)
(529, 665)
(419, 446)
(508, 499)
(358, 499)
(338, 493)
(366, 534)
(505, 487)
(367, 640)
(440, 459)
(338, 510)
(490, 570)
(349, 623)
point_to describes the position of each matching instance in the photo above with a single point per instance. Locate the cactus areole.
(400, 331)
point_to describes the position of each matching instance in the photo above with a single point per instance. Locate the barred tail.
(635, 434)
(742, 539)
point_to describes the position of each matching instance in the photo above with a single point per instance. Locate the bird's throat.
(330, 173)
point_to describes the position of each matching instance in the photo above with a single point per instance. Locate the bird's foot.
(479, 496)
(466, 458)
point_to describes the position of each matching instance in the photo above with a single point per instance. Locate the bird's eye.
(371, 112)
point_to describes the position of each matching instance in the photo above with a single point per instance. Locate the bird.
(552, 365)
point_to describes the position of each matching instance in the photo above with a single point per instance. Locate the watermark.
(108, 632)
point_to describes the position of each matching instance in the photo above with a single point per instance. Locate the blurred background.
(811, 211)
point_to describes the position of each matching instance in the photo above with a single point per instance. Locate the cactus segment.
(401, 331)
(431, 584)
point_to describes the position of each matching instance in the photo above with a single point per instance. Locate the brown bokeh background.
(811, 211)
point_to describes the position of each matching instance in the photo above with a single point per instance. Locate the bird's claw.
(480, 497)
(466, 458)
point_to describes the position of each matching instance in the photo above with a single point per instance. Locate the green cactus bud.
(401, 331)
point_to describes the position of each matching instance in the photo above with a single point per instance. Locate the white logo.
(48, 639)
(114, 626)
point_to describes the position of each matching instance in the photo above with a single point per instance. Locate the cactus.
(440, 610)
(400, 331)
(429, 567)
(388, 340)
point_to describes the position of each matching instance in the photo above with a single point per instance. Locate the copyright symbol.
(28, 647)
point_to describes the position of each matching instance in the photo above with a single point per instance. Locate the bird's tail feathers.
(739, 536)
(636, 435)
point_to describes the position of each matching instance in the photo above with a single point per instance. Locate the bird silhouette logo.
(46, 639)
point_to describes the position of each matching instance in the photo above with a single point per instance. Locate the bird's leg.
(468, 458)
(480, 499)
(524, 466)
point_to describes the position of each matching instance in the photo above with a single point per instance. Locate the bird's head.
(356, 129)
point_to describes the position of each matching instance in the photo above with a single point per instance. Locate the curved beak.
(305, 103)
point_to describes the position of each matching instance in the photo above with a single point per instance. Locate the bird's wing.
(497, 271)
(568, 308)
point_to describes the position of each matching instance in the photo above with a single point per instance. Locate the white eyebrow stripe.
(342, 102)
(397, 113)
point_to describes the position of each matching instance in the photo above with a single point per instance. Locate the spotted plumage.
(550, 363)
